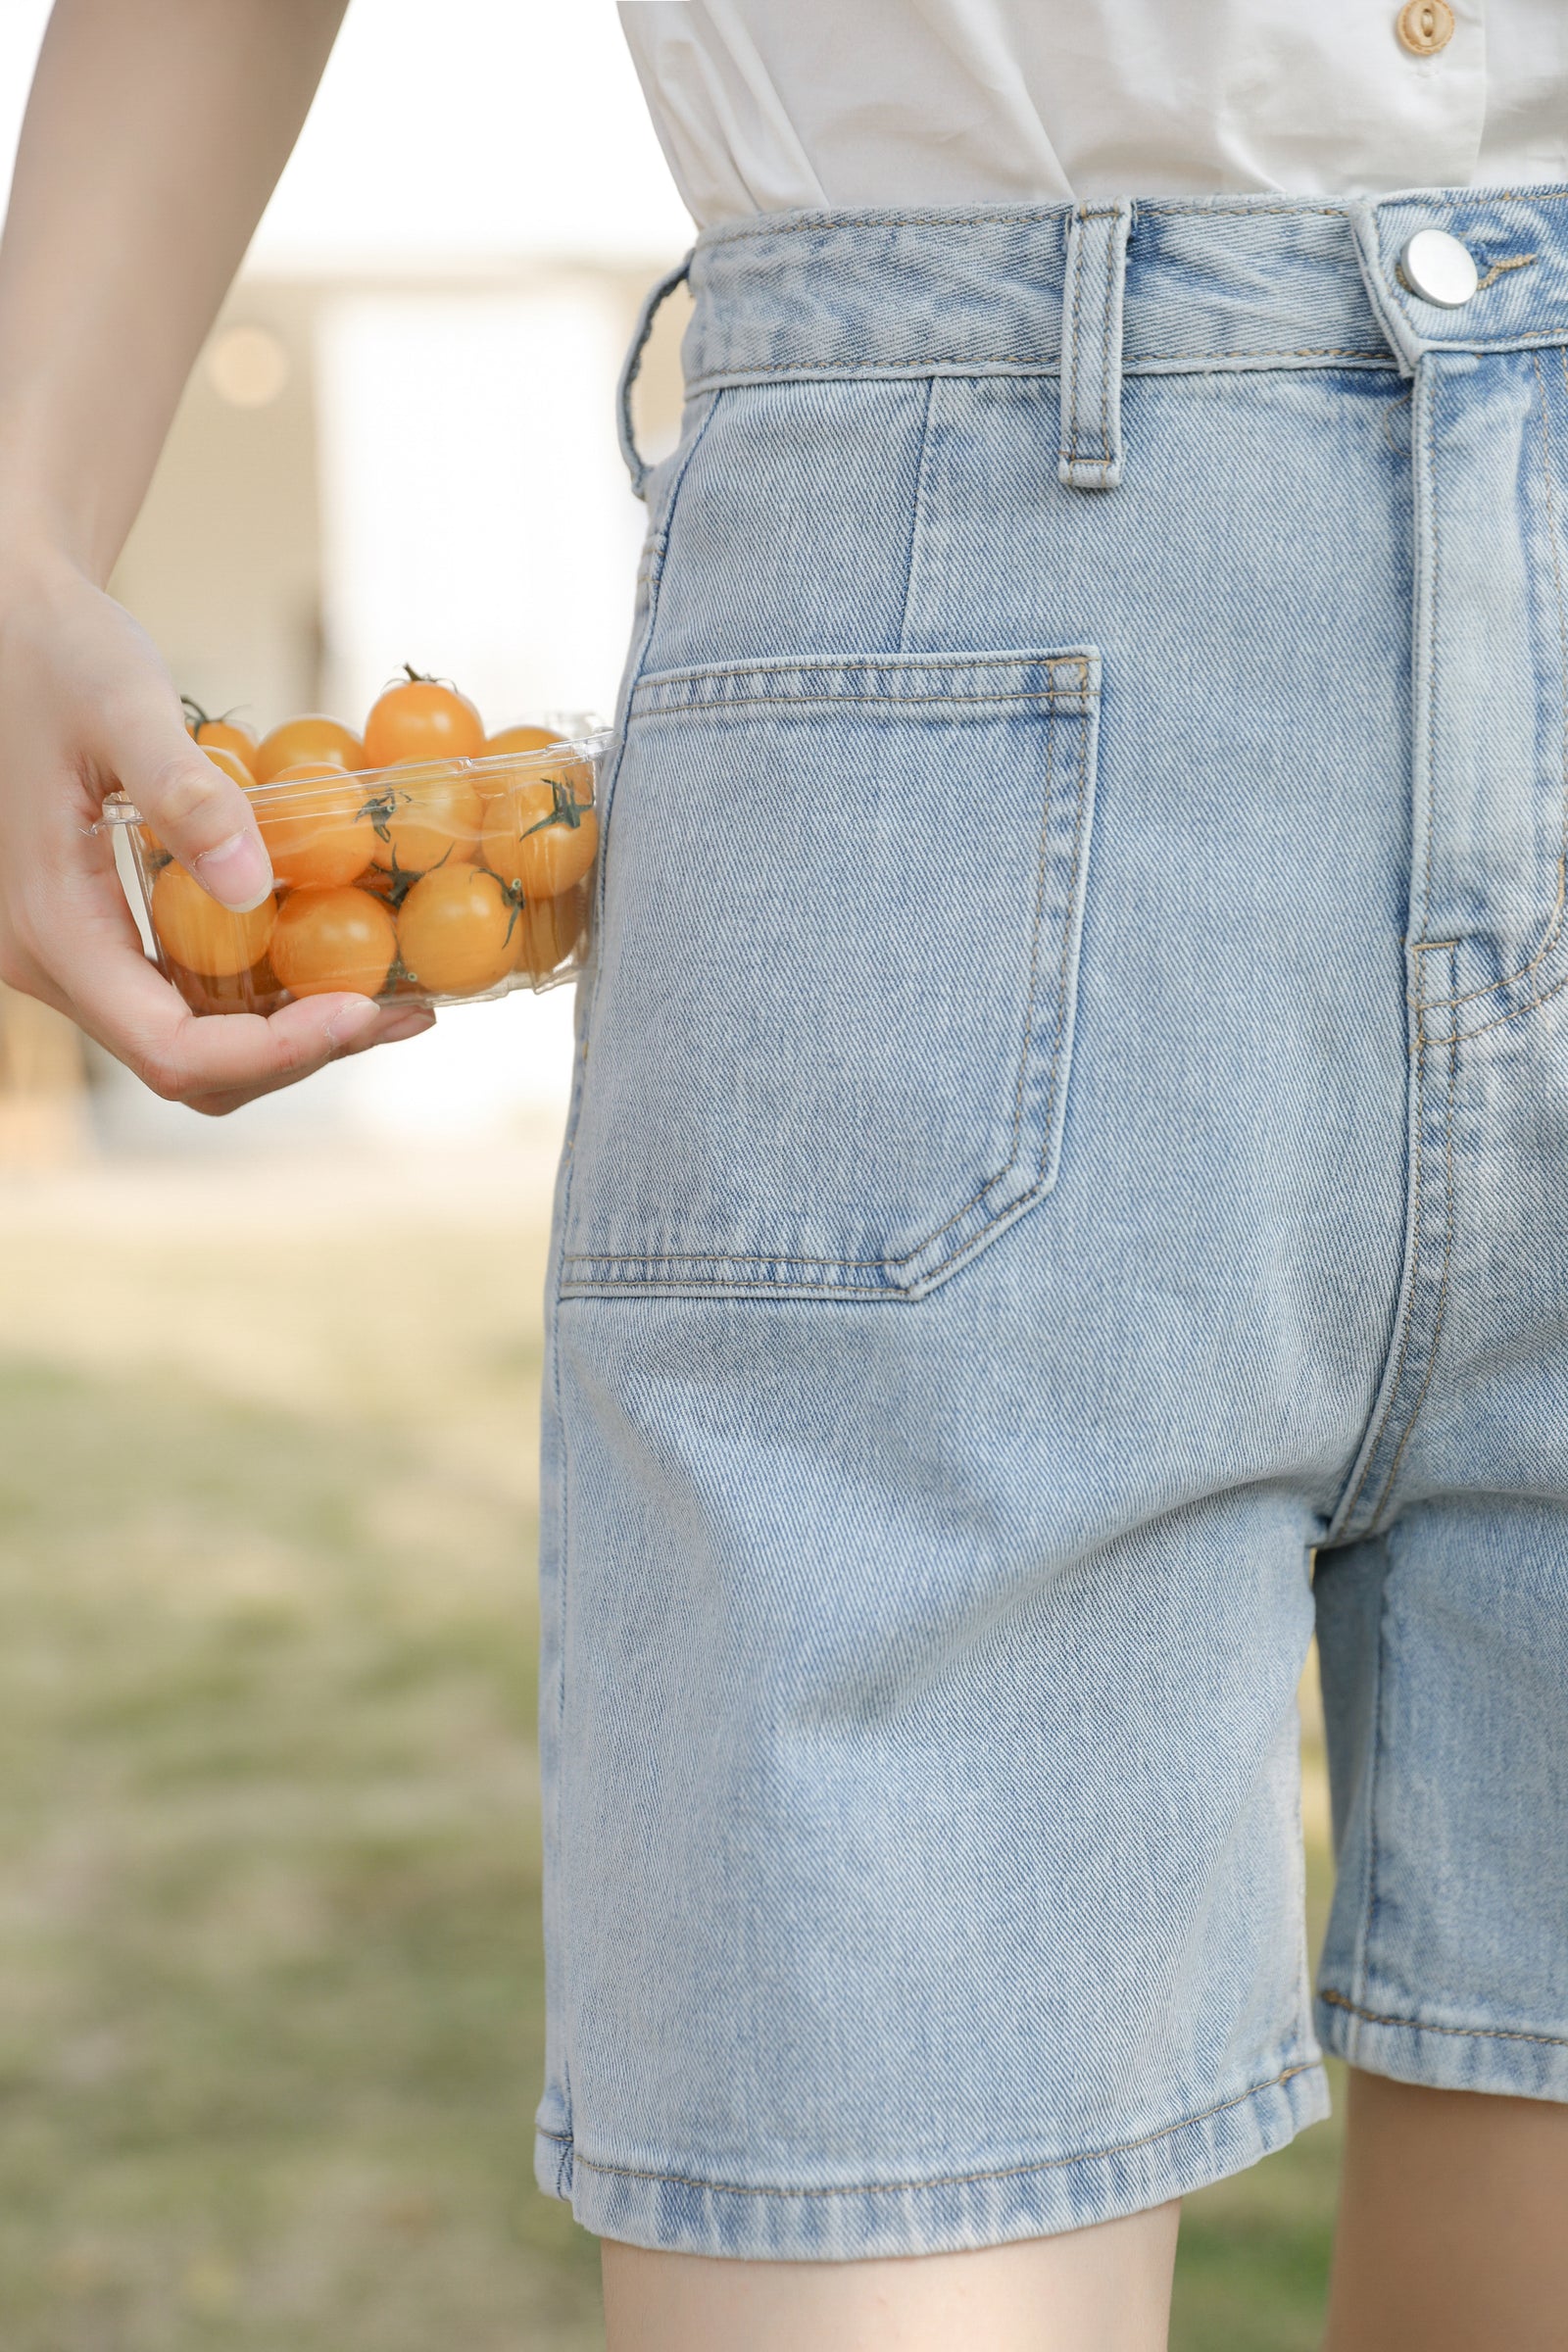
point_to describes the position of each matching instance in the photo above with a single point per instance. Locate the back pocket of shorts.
(832, 1017)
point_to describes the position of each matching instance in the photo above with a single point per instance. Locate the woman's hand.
(86, 708)
(153, 136)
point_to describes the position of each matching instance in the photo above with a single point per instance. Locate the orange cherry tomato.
(311, 737)
(232, 766)
(509, 741)
(221, 735)
(206, 938)
(458, 932)
(330, 939)
(543, 837)
(549, 929)
(421, 719)
(320, 836)
(520, 739)
(254, 991)
(434, 819)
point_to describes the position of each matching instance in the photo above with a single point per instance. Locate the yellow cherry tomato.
(549, 930)
(221, 734)
(458, 932)
(232, 766)
(318, 835)
(206, 938)
(421, 718)
(253, 991)
(312, 737)
(543, 836)
(521, 739)
(508, 744)
(434, 819)
(330, 939)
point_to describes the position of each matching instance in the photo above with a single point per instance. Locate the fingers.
(211, 1062)
(203, 816)
(217, 1062)
(395, 1024)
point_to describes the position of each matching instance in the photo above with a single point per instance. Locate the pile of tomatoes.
(421, 861)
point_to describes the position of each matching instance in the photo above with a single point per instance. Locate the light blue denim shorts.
(1067, 1189)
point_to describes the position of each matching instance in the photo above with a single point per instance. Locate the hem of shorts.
(675, 2212)
(1509, 2061)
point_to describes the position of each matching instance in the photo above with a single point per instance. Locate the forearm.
(154, 135)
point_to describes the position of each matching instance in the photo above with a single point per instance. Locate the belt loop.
(1090, 457)
(635, 465)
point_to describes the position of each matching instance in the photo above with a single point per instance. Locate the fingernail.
(353, 1021)
(236, 873)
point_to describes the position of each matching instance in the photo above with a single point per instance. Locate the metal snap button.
(1439, 269)
(1425, 26)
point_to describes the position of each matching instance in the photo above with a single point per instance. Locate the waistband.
(1232, 282)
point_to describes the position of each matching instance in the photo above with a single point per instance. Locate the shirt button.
(1425, 26)
(1439, 269)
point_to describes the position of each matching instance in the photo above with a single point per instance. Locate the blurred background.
(270, 1985)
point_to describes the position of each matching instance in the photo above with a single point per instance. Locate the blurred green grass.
(269, 1968)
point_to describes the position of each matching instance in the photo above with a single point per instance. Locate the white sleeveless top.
(765, 105)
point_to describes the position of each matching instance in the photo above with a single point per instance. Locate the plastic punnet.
(439, 882)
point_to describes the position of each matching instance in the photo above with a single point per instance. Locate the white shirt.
(765, 105)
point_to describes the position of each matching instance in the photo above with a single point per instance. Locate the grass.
(270, 1965)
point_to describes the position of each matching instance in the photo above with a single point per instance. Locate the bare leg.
(1454, 2222)
(1106, 2289)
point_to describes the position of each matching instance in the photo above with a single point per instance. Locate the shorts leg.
(1445, 1652)
(976, 1258)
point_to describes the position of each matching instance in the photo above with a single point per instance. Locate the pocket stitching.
(863, 702)
(887, 1265)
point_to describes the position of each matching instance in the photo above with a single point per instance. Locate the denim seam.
(788, 665)
(1553, 534)
(1416, 2025)
(886, 1265)
(861, 702)
(1347, 1511)
(1050, 1110)
(1004, 2172)
(1443, 1286)
(1038, 363)
(1428, 435)
(1517, 1011)
(1108, 293)
(1555, 925)
(659, 542)
(1379, 1669)
(1494, 988)
(918, 515)
(977, 216)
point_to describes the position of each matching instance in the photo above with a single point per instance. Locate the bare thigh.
(1103, 2289)
(1452, 2222)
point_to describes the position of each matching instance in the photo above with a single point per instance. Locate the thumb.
(200, 814)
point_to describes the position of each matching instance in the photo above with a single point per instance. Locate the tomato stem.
(566, 808)
(381, 809)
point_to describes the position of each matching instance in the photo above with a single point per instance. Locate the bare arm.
(154, 135)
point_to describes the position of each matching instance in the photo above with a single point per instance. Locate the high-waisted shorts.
(1066, 1189)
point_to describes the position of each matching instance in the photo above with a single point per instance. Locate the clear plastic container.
(430, 883)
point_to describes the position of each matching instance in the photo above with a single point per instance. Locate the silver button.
(1439, 269)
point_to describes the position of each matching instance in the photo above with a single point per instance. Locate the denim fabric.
(1070, 1130)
